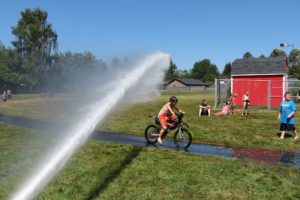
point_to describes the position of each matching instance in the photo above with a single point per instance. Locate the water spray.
(80, 133)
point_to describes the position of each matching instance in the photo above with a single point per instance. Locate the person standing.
(232, 102)
(246, 103)
(287, 116)
(298, 97)
(8, 94)
(4, 96)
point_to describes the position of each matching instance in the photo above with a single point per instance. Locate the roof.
(190, 82)
(259, 66)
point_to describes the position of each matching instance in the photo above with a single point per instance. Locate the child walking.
(287, 116)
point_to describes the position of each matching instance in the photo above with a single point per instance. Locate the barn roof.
(190, 82)
(259, 66)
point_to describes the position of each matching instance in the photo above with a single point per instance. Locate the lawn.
(259, 129)
(102, 170)
(20, 149)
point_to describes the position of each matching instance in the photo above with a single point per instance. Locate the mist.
(94, 96)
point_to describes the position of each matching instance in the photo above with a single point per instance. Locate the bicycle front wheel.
(151, 134)
(182, 139)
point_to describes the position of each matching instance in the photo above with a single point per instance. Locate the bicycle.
(182, 137)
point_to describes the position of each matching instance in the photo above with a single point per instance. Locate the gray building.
(186, 84)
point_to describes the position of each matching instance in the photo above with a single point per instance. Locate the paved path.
(264, 155)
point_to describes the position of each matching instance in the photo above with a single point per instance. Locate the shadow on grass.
(103, 184)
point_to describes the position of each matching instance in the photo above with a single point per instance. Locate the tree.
(183, 73)
(36, 43)
(294, 60)
(115, 63)
(247, 55)
(277, 52)
(74, 70)
(294, 71)
(9, 66)
(294, 57)
(171, 72)
(227, 70)
(2, 45)
(204, 70)
(5, 71)
(262, 56)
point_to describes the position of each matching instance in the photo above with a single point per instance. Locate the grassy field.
(20, 149)
(101, 170)
(259, 129)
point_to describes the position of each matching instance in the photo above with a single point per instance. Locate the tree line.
(33, 63)
(206, 71)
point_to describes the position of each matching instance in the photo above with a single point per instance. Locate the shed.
(264, 78)
(186, 84)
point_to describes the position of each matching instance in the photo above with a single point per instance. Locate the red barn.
(264, 78)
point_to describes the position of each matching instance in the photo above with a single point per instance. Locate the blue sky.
(189, 30)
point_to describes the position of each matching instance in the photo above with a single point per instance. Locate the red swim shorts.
(163, 119)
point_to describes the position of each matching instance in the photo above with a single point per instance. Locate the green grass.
(102, 170)
(113, 171)
(259, 129)
(58, 109)
(20, 149)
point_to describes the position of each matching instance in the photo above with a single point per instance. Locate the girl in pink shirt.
(225, 110)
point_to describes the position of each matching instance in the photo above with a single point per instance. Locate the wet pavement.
(263, 155)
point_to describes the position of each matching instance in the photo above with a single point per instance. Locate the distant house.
(163, 85)
(264, 78)
(186, 84)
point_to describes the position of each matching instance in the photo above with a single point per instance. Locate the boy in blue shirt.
(286, 116)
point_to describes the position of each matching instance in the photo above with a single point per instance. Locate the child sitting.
(204, 108)
(225, 110)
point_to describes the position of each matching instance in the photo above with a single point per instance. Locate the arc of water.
(82, 131)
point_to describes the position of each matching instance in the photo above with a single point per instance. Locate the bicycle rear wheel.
(182, 139)
(151, 134)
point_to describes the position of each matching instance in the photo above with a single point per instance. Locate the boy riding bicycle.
(167, 113)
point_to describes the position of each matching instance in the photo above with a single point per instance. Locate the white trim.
(283, 86)
(231, 85)
(284, 74)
